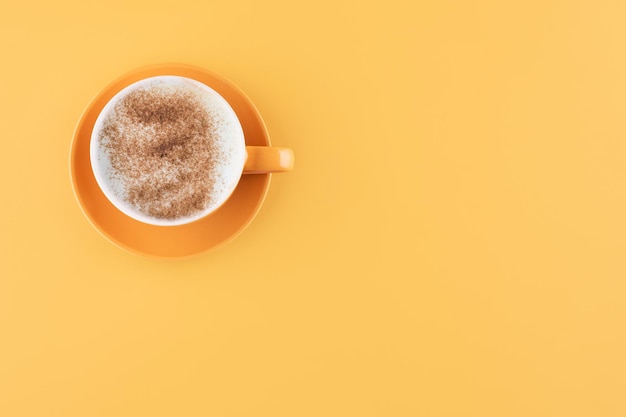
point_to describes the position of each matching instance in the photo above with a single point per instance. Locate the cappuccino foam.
(167, 150)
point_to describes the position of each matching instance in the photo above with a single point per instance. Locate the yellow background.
(451, 243)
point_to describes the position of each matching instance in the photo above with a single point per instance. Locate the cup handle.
(266, 159)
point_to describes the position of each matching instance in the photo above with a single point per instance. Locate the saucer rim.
(166, 69)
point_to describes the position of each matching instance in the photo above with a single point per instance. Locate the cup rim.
(126, 208)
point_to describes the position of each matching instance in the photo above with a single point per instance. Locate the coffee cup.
(169, 150)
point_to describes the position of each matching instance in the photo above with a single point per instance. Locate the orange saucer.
(170, 242)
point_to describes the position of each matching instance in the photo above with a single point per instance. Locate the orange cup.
(207, 233)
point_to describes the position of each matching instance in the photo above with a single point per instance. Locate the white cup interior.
(229, 135)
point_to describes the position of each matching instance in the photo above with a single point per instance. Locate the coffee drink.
(167, 150)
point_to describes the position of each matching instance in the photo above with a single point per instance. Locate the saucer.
(170, 242)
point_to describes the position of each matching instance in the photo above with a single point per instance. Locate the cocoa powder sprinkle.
(162, 148)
